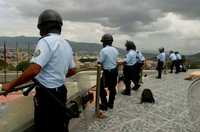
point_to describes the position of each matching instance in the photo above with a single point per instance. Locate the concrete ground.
(170, 113)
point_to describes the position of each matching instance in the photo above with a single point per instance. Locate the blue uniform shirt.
(172, 56)
(140, 57)
(108, 57)
(55, 56)
(161, 57)
(178, 56)
(131, 57)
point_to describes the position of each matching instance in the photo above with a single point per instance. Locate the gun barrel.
(17, 89)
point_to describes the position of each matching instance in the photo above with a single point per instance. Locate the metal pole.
(5, 61)
(17, 58)
(29, 57)
(97, 89)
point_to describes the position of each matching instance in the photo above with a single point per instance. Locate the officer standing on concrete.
(130, 68)
(108, 59)
(179, 61)
(161, 61)
(52, 61)
(140, 63)
(173, 59)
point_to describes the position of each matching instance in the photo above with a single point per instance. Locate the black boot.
(126, 92)
(103, 107)
(136, 87)
(110, 106)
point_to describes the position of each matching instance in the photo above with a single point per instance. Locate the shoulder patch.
(36, 53)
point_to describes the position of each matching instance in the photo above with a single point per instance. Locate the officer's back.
(55, 47)
(109, 56)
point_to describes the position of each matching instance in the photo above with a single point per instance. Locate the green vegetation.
(22, 65)
(8, 66)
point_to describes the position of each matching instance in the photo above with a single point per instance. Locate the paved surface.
(170, 113)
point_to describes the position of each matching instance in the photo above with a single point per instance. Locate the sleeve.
(128, 58)
(170, 56)
(158, 57)
(42, 53)
(180, 57)
(101, 57)
(142, 58)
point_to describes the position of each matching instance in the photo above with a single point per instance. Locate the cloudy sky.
(173, 24)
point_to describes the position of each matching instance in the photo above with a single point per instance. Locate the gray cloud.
(122, 13)
(125, 14)
(144, 21)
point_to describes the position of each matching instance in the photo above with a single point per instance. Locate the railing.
(78, 88)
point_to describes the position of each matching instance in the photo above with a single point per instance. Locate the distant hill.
(79, 47)
(194, 58)
(26, 42)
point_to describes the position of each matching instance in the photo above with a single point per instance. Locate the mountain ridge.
(81, 48)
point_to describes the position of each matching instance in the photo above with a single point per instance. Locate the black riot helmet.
(130, 45)
(161, 49)
(49, 20)
(176, 52)
(107, 39)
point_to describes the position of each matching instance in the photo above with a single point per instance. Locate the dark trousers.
(177, 66)
(108, 79)
(49, 116)
(172, 65)
(131, 73)
(139, 72)
(160, 68)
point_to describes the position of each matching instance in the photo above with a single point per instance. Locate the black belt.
(55, 89)
(110, 70)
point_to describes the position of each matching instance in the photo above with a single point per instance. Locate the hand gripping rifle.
(30, 86)
(71, 111)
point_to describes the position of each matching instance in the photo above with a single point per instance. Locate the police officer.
(140, 63)
(108, 59)
(130, 68)
(51, 63)
(173, 59)
(179, 61)
(161, 60)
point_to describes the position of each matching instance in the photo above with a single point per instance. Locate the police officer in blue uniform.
(140, 63)
(179, 61)
(108, 59)
(173, 59)
(51, 63)
(161, 61)
(130, 70)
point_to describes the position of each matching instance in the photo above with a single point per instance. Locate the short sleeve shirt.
(55, 56)
(140, 57)
(131, 58)
(161, 57)
(108, 57)
(172, 56)
(178, 56)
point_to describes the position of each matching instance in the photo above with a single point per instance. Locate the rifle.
(30, 86)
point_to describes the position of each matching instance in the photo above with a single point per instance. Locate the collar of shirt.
(107, 46)
(131, 50)
(53, 34)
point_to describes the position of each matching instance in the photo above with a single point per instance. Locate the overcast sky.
(173, 24)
